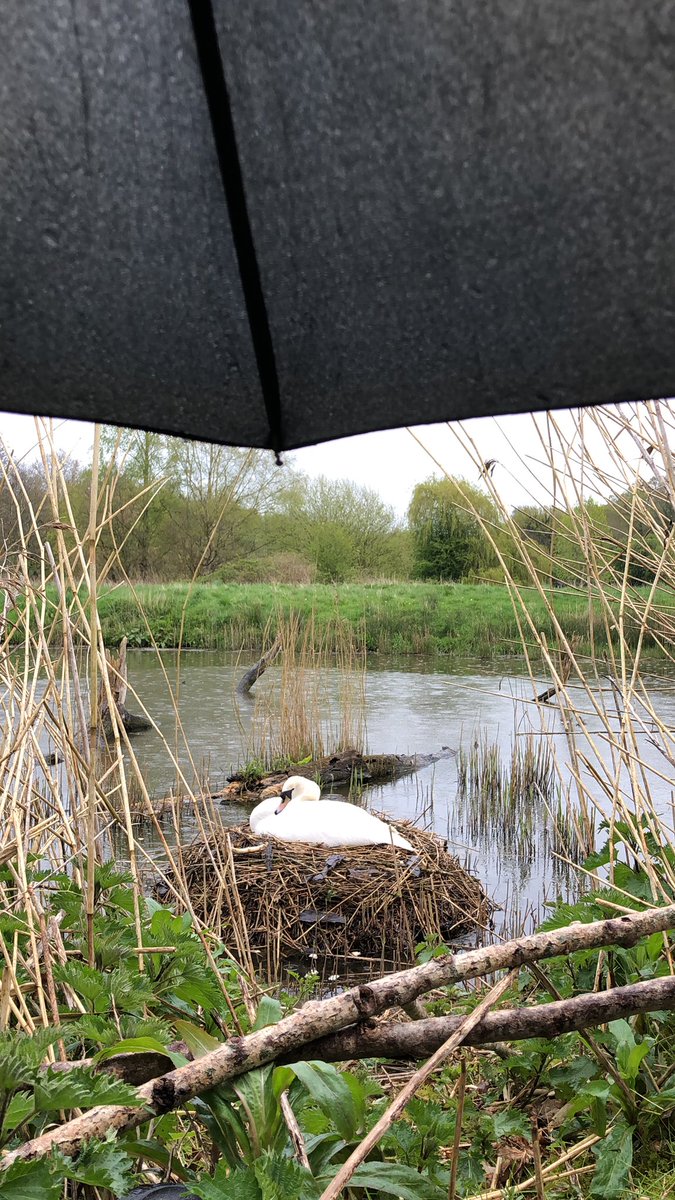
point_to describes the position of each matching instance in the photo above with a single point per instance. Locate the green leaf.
(31, 1181)
(653, 946)
(395, 1179)
(19, 1108)
(322, 1149)
(573, 1074)
(197, 1040)
(509, 1122)
(80, 1088)
(101, 1165)
(280, 1177)
(614, 1158)
(565, 914)
(130, 1046)
(256, 1092)
(282, 1078)
(598, 1088)
(223, 1185)
(599, 858)
(85, 981)
(269, 1012)
(269, 1178)
(107, 875)
(155, 1151)
(636, 883)
(332, 1093)
(622, 1032)
(130, 990)
(359, 1097)
(226, 1129)
(15, 1070)
(630, 1066)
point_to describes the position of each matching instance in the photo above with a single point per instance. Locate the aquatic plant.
(513, 802)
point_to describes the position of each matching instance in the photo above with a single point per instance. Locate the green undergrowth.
(233, 1143)
(459, 620)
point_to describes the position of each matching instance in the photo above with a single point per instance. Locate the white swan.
(331, 823)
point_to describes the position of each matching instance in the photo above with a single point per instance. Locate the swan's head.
(298, 788)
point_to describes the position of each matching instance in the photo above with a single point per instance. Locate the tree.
(135, 475)
(343, 528)
(449, 541)
(535, 524)
(222, 488)
(640, 521)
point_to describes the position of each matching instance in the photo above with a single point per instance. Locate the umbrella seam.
(224, 135)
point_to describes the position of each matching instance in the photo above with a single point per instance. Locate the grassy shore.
(447, 619)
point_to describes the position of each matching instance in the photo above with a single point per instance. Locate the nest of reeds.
(299, 900)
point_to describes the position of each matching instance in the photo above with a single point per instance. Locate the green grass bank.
(426, 618)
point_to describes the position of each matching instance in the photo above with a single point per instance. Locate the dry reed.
(316, 704)
(620, 750)
(66, 800)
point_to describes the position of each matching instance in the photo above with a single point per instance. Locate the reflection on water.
(415, 706)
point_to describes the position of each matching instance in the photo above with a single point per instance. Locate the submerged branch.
(322, 1017)
(253, 675)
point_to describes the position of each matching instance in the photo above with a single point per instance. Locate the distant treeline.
(175, 510)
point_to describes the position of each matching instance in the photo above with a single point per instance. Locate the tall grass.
(454, 619)
(68, 796)
(513, 802)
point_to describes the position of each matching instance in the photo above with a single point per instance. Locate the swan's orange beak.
(285, 797)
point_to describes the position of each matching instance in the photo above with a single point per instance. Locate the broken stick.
(406, 1093)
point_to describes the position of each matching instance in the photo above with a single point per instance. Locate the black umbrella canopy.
(273, 223)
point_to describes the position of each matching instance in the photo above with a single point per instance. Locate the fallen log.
(347, 769)
(322, 1017)
(419, 1038)
(133, 1067)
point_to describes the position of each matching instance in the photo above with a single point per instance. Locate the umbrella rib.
(231, 175)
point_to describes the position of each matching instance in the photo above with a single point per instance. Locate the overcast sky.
(391, 462)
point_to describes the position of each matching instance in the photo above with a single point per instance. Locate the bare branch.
(441, 1055)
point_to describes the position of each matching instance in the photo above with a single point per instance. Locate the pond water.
(412, 706)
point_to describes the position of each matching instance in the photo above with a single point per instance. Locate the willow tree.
(445, 521)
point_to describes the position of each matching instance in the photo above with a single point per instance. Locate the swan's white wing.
(348, 825)
(261, 813)
(328, 823)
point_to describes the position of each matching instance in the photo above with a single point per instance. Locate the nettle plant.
(234, 1141)
(174, 1006)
